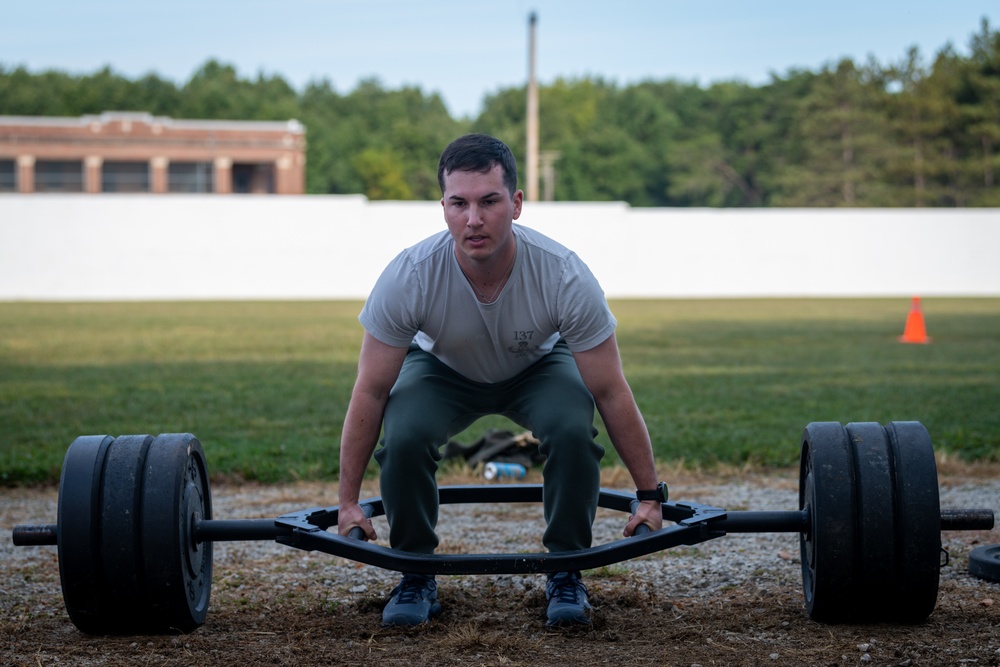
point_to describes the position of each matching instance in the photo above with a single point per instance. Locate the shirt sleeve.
(585, 319)
(391, 312)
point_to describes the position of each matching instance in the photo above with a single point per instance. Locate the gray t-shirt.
(423, 297)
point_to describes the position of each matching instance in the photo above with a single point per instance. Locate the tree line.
(903, 134)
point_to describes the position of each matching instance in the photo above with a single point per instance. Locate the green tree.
(382, 174)
(103, 91)
(981, 97)
(504, 116)
(719, 162)
(320, 111)
(948, 184)
(914, 111)
(216, 91)
(845, 142)
(903, 134)
(406, 126)
(26, 94)
(926, 118)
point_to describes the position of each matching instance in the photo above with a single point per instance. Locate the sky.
(466, 50)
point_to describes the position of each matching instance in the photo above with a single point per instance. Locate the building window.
(255, 179)
(8, 176)
(191, 177)
(125, 177)
(58, 176)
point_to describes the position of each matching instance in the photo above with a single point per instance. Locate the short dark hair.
(478, 152)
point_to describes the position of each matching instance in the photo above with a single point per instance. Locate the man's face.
(479, 211)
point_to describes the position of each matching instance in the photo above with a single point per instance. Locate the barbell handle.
(357, 533)
(44, 535)
(35, 536)
(47, 535)
(967, 519)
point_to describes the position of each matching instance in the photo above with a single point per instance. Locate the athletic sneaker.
(412, 602)
(567, 597)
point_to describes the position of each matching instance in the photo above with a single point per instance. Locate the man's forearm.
(352, 472)
(378, 367)
(630, 437)
(362, 426)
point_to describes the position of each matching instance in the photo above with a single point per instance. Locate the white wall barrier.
(145, 247)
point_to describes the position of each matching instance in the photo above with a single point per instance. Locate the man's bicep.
(601, 367)
(378, 366)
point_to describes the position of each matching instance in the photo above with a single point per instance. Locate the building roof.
(292, 126)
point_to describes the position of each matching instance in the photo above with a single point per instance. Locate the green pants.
(430, 403)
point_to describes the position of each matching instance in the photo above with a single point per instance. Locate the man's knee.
(415, 448)
(570, 438)
(412, 429)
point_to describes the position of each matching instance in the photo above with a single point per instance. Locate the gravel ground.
(682, 582)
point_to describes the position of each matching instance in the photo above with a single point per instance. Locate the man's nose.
(474, 219)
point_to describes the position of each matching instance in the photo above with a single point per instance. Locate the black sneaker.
(567, 597)
(412, 602)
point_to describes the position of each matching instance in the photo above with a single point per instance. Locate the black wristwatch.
(659, 493)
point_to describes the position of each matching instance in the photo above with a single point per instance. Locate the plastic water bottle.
(495, 470)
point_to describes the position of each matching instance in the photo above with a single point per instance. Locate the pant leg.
(428, 404)
(551, 400)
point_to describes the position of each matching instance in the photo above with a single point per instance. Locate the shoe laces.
(566, 588)
(412, 588)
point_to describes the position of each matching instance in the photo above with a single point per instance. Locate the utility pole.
(532, 116)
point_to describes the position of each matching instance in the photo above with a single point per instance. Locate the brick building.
(137, 152)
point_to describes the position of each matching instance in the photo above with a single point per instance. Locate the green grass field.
(265, 385)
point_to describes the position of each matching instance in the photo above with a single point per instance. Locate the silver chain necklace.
(496, 292)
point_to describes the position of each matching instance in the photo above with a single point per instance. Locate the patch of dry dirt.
(631, 627)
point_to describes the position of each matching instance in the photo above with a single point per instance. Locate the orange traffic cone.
(915, 331)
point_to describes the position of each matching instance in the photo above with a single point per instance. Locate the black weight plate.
(827, 492)
(127, 560)
(121, 564)
(984, 562)
(178, 570)
(875, 548)
(78, 531)
(918, 522)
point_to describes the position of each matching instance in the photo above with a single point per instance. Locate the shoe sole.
(434, 612)
(567, 623)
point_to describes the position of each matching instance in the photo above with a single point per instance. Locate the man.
(488, 317)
